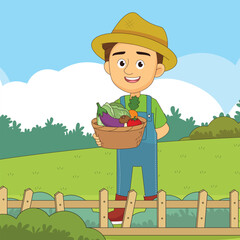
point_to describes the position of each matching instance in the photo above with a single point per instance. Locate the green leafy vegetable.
(134, 103)
(115, 110)
(116, 104)
(119, 111)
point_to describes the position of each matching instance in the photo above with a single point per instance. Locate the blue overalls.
(145, 156)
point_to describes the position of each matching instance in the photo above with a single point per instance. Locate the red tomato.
(133, 122)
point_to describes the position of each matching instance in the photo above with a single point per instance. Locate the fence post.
(127, 218)
(234, 205)
(202, 207)
(3, 200)
(103, 208)
(27, 199)
(161, 209)
(59, 202)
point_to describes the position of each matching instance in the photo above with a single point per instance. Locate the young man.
(135, 53)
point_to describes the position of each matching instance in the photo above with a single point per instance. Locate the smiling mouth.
(132, 80)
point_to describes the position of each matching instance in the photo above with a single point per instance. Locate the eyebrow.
(118, 53)
(143, 53)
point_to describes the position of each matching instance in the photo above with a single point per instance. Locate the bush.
(222, 127)
(54, 137)
(237, 116)
(51, 138)
(36, 224)
(178, 128)
(90, 218)
(184, 217)
(23, 232)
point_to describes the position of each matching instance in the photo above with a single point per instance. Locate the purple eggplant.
(106, 119)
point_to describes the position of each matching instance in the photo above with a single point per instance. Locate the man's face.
(133, 68)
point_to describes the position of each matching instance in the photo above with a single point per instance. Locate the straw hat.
(135, 30)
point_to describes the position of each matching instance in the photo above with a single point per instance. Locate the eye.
(121, 63)
(140, 64)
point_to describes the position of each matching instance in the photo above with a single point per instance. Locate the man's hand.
(97, 140)
(162, 131)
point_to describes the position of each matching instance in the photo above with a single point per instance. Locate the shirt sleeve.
(159, 116)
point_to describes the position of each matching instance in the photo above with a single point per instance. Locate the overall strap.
(149, 108)
(122, 100)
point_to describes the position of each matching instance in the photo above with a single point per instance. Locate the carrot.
(133, 114)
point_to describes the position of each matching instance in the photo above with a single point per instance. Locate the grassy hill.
(184, 167)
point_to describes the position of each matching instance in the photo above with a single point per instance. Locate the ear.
(106, 67)
(160, 70)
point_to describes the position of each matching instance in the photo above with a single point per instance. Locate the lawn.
(184, 167)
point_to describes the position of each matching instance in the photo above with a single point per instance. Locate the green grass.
(184, 167)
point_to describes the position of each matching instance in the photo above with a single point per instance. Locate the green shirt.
(159, 117)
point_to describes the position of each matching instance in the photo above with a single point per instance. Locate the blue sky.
(38, 35)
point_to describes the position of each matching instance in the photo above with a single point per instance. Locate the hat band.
(165, 43)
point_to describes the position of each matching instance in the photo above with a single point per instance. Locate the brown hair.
(108, 47)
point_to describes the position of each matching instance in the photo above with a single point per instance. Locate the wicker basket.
(120, 137)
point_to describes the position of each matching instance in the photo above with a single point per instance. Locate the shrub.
(222, 127)
(237, 116)
(51, 138)
(178, 128)
(24, 232)
(184, 217)
(36, 224)
(90, 218)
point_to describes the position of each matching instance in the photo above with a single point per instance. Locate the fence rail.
(130, 204)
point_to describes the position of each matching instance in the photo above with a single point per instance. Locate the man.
(135, 53)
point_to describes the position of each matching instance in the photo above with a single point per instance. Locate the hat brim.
(169, 58)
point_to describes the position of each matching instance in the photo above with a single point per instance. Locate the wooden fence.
(161, 204)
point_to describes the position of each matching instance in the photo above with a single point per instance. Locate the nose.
(128, 69)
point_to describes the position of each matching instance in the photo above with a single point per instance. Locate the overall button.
(149, 115)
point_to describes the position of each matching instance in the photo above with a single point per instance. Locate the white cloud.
(192, 101)
(212, 73)
(235, 108)
(3, 77)
(70, 96)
